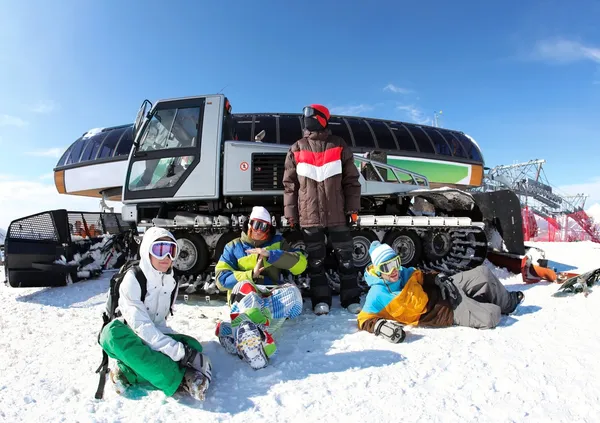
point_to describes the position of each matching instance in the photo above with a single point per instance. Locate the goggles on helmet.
(387, 267)
(259, 225)
(161, 249)
(309, 111)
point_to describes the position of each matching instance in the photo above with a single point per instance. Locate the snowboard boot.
(321, 308)
(225, 334)
(120, 382)
(520, 296)
(517, 297)
(354, 308)
(195, 384)
(250, 345)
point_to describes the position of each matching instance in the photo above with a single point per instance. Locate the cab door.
(175, 155)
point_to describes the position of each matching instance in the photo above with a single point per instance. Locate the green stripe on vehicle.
(434, 171)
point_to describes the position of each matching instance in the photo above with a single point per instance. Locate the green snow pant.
(140, 363)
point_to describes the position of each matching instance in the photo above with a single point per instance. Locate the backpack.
(112, 303)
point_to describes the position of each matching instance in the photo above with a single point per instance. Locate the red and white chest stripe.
(319, 166)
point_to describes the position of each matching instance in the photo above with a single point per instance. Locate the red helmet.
(316, 117)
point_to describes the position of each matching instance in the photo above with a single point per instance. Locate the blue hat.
(380, 253)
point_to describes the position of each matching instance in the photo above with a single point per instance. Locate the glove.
(352, 218)
(448, 290)
(390, 330)
(291, 221)
(197, 361)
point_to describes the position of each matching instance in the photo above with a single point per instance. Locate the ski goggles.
(260, 225)
(311, 111)
(388, 267)
(161, 249)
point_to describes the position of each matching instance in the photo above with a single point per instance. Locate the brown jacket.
(320, 181)
(439, 312)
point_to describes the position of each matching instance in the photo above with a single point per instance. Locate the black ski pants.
(341, 241)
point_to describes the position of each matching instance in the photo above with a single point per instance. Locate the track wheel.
(193, 254)
(437, 245)
(407, 244)
(362, 241)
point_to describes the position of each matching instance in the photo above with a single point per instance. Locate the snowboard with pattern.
(575, 284)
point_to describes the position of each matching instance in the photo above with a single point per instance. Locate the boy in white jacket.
(145, 348)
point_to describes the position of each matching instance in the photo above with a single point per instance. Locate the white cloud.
(560, 50)
(415, 114)
(351, 110)
(594, 212)
(44, 106)
(47, 176)
(55, 152)
(8, 120)
(395, 89)
(23, 198)
(590, 188)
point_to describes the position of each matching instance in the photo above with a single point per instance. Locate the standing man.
(322, 193)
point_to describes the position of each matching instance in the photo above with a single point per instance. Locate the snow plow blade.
(500, 211)
(58, 247)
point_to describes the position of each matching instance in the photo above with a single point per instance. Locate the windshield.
(158, 173)
(171, 128)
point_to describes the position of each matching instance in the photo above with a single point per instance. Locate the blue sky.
(522, 78)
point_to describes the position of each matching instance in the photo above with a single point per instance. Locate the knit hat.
(380, 253)
(260, 213)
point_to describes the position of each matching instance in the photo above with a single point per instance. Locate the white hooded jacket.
(148, 319)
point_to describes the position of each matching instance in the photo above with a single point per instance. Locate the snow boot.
(225, 334)
(321, 308)
(250, 345)
(120, 382)
(354, 308)
(195, 384)
(518, 297)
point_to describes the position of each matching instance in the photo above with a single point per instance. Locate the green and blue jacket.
(235, 265)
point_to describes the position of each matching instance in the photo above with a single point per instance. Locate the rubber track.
(468, 250)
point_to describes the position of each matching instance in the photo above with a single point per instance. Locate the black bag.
(110, 313)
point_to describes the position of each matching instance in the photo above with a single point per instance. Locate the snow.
(92, 132)
(594, 212)
(496, 240)
(540, 364)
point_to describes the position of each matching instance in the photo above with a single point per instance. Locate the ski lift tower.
(436, 118)
(528, 180)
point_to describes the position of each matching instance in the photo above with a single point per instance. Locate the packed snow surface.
(541, 364)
